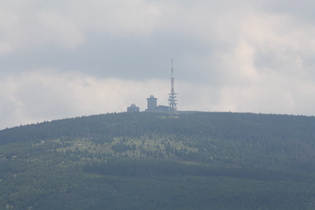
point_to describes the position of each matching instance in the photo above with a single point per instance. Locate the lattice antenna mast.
(172, 96)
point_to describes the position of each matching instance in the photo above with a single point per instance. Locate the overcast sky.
(68, 58)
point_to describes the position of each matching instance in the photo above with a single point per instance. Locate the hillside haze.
(187, 160)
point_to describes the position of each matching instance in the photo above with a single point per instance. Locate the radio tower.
(172, 96)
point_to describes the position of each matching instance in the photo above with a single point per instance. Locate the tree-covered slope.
(160, 161)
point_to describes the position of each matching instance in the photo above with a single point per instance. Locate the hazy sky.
(67, 58)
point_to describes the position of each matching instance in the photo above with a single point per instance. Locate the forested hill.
(228, 126)
(197, 160)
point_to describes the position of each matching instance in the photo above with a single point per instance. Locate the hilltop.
(196, 160)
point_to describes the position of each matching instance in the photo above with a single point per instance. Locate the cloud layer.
(67, 58)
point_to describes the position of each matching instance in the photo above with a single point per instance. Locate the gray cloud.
(228, 56)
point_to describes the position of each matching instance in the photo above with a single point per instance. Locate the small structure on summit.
(152, 101)
(172, 101)
(133, 108)
(153, 107)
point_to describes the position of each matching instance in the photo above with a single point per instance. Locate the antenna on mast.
(172, 96)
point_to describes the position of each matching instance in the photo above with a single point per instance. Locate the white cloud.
(46, 95)
(66, 24)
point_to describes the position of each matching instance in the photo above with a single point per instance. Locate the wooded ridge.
(197, 160)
